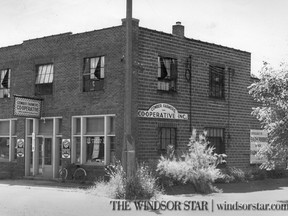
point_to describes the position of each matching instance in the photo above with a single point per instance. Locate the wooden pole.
(129, 162)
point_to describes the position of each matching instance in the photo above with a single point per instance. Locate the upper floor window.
(216, 81)
(44, 79)
(215, 137)
(5, 83)
(167, 74)
(93, 74)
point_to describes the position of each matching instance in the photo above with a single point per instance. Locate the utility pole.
(128, 157)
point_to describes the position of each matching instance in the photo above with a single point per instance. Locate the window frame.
(167, 83)
(160, 138)
(5, 91)
(216, 130)
(216, 88)
(11, 135)
(44, 82)
(108, 138)
(94, 83)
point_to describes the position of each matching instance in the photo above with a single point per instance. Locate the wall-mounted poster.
(20, 147)
(66, 148)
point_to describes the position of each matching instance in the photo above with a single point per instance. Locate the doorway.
(45, 157)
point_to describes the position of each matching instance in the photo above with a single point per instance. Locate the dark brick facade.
(231, 113)
(67, 51)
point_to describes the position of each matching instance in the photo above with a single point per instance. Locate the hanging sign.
(163, 111)
(258, 140)
(66, 148)
(27, 107)
(20, 147)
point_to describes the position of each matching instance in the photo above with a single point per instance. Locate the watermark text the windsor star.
(195, 205)
(160, 205)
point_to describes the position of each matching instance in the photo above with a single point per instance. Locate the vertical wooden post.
(128, 159)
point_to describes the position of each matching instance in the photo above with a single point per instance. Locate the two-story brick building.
(178, 84)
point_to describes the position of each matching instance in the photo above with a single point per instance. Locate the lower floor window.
(4, 148)
(8, 140)
(216, 139)
(93, 139)
(167, 139)
(95, 149)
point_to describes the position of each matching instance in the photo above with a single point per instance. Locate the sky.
(256, 26)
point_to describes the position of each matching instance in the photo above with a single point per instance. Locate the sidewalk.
(43, 183)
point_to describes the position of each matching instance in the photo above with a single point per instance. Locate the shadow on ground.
(243, 187)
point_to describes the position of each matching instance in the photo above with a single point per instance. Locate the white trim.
(11, 137)
(12, 119)
(82, 137)
(103, 115)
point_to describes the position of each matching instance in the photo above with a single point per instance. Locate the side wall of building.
(232, 113)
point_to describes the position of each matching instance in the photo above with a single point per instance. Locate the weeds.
(198, 167)
(140, 186)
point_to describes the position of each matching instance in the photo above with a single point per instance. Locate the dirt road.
(31, 198)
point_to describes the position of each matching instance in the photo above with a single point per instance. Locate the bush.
(197, 167)
(276, 173)
(233, 175)
(143, 185)
(258, 174)
(140, 186)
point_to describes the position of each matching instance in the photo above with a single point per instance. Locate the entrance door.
(45, 157)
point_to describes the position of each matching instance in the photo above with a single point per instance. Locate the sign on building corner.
(27, 106)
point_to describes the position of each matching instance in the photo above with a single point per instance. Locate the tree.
(271, 92)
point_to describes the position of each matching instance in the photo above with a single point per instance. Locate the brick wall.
(206, 112)
(10, 170)
(67, 52)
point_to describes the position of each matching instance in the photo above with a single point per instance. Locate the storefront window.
(78, 149)
(93, 141)
(7, 140)
(95, 149)
(4, 148)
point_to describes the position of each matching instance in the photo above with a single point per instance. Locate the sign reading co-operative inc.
(27, 107)
(163, 111)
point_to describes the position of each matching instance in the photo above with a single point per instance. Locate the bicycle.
(79, 173)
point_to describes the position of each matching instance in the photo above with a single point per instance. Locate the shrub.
(258, 174)
(276, 173)
(143, 185)
(197, 167)
(233, 175)
(140, 186)
(115, 187)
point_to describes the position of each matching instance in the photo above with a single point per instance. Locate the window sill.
(2, 160)
(217, 98)
(166, 91)
(90, 163)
